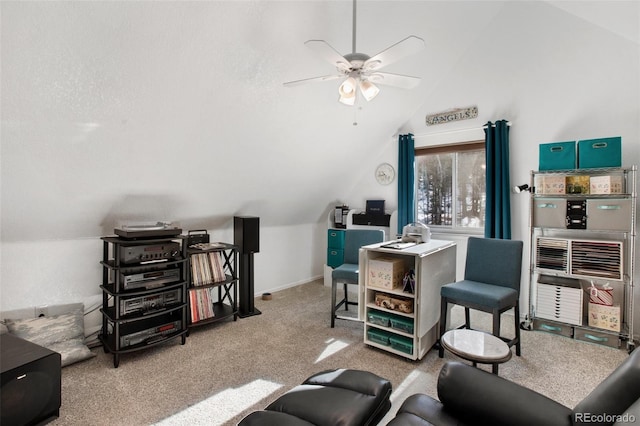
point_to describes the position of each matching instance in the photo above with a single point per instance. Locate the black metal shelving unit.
(142, 305)
(221, 296)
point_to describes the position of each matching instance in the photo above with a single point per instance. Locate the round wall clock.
(385, 173)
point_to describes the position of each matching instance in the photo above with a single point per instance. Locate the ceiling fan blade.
(313, 80)
(397, 80)
(406, 47)
(328, 53)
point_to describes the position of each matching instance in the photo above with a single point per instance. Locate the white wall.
(555, 77)
(137, 111)
(130, 112)
(59, 271)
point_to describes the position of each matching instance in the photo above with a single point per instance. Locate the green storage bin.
(335, 257)
(402, 324)
(557, 156)
(335, 238)
(379, 336)
(603, 152)
(335, 247)
(379, 318)
(402, 344)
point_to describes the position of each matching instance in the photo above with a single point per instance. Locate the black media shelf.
(212, 284)
(144, 293)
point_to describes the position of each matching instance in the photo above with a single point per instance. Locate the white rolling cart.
(387, 323)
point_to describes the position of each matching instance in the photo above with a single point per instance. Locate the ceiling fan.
(362, 71)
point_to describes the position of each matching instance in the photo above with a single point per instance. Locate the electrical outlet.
(41, 311)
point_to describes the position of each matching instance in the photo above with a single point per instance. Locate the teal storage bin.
(335, 257)
(402, 344)
(379, 336)
(379, 318)
(335, 238)
(597, 153)
(335, 247)
(557, 156)
(402, 324)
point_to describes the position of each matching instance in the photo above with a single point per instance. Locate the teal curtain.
(498, 207)
(406, 192)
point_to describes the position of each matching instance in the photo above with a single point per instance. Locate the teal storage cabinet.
(335, 247)
(603, 152)
(557, 156)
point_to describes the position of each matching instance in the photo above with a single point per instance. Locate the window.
(450, 186)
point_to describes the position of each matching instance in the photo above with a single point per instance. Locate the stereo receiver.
(150, 335)
(143, 253)
(150, 303)
(151, 279)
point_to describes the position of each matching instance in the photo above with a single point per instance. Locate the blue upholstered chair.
(347, 273)
(491, 284)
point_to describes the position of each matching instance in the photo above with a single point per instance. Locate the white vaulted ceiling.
(176, 110)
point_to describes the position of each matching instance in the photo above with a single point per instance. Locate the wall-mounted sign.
(452, 115)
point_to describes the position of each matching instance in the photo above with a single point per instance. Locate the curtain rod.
(457, 130)
(493, 125)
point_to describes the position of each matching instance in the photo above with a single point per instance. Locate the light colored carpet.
(226, 370)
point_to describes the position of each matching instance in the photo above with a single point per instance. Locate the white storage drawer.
(597, 337)
(612, 214)
(609, 214)
(552, 327)
(559, 303)
(549, 212)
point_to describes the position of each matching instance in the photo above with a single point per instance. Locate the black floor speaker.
(246, 233)
(31, 382)
(246, 236)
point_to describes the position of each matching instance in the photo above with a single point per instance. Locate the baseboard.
(289, 285)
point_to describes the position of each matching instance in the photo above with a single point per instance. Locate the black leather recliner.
(470, 396)
(342, 397)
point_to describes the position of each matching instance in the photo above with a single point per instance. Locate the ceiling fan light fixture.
(349, 100)
(347, 91)
(348, 87)
(369, 90)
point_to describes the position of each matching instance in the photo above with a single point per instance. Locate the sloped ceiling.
(617, 17)
(137, 111)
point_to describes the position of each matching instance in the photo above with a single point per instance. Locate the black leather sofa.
(470, 396)
(341, 397)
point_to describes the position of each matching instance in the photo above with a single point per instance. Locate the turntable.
(156, 230)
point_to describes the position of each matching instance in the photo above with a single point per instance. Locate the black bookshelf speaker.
(246, 233)
(31, 383)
